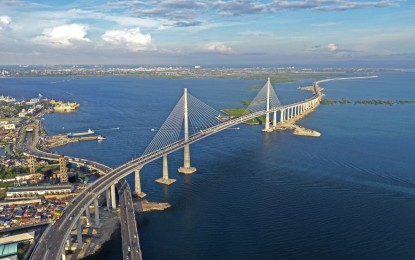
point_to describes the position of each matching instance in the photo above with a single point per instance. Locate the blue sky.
(377, 33)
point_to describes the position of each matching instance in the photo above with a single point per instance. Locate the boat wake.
(109, 129)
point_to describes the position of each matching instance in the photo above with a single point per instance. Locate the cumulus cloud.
(131, 39)
(189, 9)
(5, 21)
(64, 35)
(215, 47)
(332, 47)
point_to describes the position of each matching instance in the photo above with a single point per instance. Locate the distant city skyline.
(182, 32)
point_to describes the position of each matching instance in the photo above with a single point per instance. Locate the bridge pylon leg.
(138, 191)
(282, 115)
(165, 179)
(186, 169)
(267, 128)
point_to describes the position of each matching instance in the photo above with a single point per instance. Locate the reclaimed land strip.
(237, 112)
(367, 102)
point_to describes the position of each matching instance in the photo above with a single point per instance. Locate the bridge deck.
(50, 248)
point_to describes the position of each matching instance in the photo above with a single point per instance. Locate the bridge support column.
(138, 191)
(108, 197)
(96, 212)
(88, 216)
(282, 115)
(113, 198)
(274, 122)
(186, 169)
(69, 242)
(79, 233)
(165, 179)
(63, 256)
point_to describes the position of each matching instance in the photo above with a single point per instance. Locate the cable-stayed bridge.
(193, 120)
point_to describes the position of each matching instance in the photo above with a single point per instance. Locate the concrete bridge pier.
(282, 115)
(69, 241)
(88, 216)
(113, 198)
(108, 198)
(165, 179)
(96, 212)
(274, 122)
(79, 233)
(138, 191)
(187, 169)
(63, 256)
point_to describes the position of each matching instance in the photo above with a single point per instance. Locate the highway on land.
(128, 223)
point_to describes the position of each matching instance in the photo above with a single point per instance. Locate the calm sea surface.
(347, 194)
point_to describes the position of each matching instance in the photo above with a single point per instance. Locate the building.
(8, 251)
(7, 99)
(9, 126)
(32, 191)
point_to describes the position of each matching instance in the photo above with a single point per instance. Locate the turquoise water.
(347, 194)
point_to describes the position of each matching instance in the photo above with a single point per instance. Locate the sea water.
(347, 194)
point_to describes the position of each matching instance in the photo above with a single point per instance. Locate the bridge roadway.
(49, 249)
(130, 240)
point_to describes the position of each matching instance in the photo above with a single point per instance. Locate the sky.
(373, 33)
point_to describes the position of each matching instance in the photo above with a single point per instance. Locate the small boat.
(101, 137)
(152, 130)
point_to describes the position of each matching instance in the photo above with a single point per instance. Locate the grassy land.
(6, 184)
(237, 112)
(249, 102)
(288, 77)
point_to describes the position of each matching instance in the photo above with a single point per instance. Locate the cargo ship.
(79, 134)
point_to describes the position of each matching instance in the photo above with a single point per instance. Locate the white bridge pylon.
(266, 99)
(190, 116)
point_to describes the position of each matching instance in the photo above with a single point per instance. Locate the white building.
(7, 99)
(9, 126)
(31, 191)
